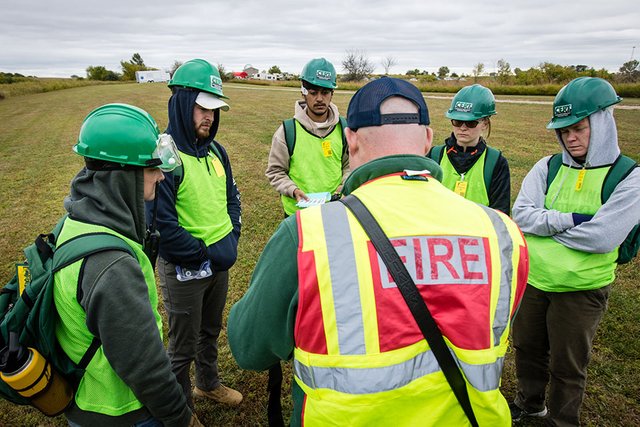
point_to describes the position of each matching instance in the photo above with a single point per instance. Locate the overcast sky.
(62, 38)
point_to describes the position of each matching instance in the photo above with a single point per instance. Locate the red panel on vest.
(453, 275)
(309, 329)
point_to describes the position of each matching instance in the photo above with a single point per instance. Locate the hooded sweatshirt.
(278, 168)
(177, 245)
(612, 222)
(114, 294)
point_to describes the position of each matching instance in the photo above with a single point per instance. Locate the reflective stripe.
(375, 380)
(501, 319)
(484, 377)
(344, 275)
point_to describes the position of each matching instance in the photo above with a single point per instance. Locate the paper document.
(314, 199)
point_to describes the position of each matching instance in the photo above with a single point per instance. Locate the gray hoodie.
(114, 294)
(613, 221)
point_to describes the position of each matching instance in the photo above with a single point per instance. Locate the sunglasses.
(458, 123)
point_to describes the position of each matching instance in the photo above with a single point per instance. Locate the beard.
(202, 131)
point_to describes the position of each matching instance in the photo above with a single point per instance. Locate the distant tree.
(581, 68)
(443, 72)
(387, 63)
(357, 65)
(630, 71)
(413, 72)
(478, 69)
(137, 59)
(224, 75)
(454, 75)
(99, 72)
(504, 72)
(275, 70)
(532, 76)
(174, 67)
(129, 68)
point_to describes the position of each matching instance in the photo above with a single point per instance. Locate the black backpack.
(620, 169)
(28, 313)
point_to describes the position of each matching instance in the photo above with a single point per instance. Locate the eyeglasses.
(458, 123)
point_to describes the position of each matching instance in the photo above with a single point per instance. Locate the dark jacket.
(114, 294)
(499, 191)
(177, 245)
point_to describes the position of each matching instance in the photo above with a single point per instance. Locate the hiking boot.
(220, 394)
(517, 413)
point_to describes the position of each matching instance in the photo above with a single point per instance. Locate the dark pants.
(553, 336)
(194, 309)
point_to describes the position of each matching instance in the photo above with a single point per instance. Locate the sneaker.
(220, 394)
(517, 413)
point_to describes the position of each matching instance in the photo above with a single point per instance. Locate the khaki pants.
(553, 336)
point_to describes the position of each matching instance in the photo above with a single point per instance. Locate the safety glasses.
(167, 152)
(458, 123)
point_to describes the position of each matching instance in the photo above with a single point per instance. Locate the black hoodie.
(177, 245)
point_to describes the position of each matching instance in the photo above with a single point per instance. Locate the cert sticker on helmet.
(464, 107)
(562, 110)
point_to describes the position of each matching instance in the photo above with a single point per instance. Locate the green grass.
(38, 131)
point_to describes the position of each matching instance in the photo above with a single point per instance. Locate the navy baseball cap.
(364, 107)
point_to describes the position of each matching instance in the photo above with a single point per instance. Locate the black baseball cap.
(364, 107)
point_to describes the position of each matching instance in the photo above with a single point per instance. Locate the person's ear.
(352, 141)
(429, 139)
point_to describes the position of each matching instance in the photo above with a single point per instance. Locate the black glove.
(580, 218)
(335, 197)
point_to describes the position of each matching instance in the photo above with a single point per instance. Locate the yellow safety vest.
(315, 165)
(470, 186)
(100, 390)
(360, 357)
(556, 267)
(201, 203)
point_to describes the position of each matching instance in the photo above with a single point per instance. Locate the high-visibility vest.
(100, 390)
(360, 358)
(473, 180)
(556, 267)
(315, 165)
(201, 202)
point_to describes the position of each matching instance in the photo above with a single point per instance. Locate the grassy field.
(37, 165)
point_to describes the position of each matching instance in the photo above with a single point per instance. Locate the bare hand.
(298, 194)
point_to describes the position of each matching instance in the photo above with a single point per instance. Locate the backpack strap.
(436, 153)
(490, 161)
(343, 125)
(553, 165)
(415, 302)
(80, 247)
(620, 169)
(289, 126)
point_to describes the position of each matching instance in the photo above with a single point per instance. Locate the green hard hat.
(198, 74)
(319, 72)
(472, 103)
(126, 135)
(580, 98)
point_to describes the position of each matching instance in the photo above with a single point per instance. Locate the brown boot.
(221, 394)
